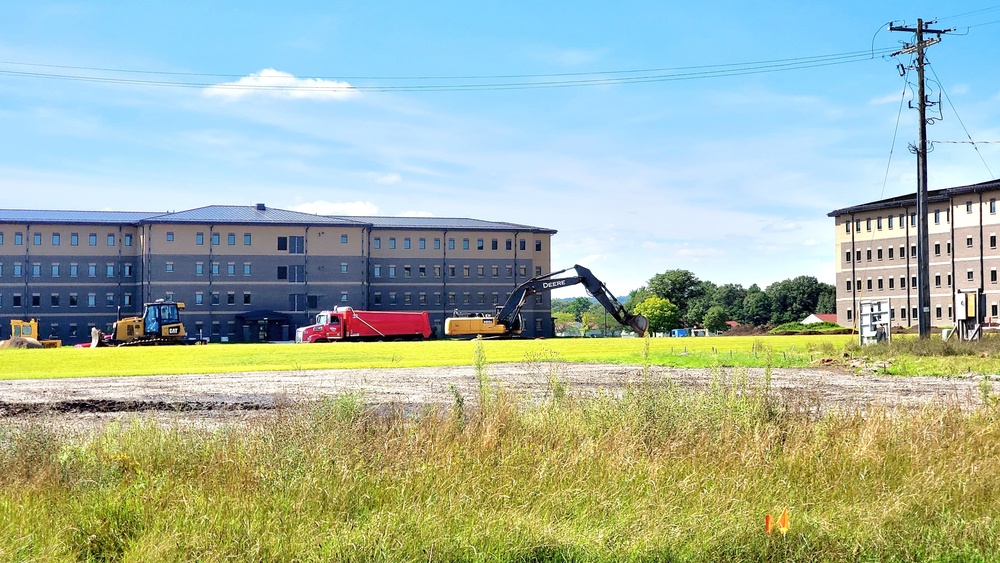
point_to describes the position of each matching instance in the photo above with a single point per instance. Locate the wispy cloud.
(338, 208)
(273, 83)
(388, 179)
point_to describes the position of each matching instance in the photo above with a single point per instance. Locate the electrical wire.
(962, 123)
(493, 82)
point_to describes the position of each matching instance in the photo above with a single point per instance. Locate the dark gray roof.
(910, 200)
(77, 217)
(244, 214)
(443, 223)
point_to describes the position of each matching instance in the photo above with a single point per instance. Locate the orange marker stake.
(783, 524)
(767, 524)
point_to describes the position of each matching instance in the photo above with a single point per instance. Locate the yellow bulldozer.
(160, 324)
(29, 330)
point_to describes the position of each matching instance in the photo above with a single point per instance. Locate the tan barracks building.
(254, 273)
(877, 253)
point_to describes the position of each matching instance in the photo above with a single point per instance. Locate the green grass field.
(680, 352)
(905, 356)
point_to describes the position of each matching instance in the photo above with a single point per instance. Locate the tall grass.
(654, 473)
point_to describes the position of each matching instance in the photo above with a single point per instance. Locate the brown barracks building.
(877, 253)
(253, 273)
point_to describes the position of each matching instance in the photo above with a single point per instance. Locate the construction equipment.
(345, 323)
(159, 324)
(29, 330)
(506, 321)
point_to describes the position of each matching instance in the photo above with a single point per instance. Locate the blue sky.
(729, 175)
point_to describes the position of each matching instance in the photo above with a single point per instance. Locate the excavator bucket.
(639, 324)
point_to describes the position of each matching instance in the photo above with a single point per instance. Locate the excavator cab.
(159, 324)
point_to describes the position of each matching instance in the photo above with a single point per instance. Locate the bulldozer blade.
(639, 324)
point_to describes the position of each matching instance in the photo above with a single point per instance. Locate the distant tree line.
(677, 298)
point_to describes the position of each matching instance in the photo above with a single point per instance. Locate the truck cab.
(329, 326)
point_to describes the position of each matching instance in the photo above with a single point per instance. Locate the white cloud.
(338, 208)
(277, 84)
(388, 178)
(416, 213)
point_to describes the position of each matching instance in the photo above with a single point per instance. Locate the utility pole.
(923, 254)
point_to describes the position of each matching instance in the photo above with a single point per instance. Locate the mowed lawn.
(776, 351)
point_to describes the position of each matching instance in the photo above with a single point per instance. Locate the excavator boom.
(507, 320)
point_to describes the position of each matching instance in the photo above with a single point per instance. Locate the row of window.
(969, 243)
(407, 271)
(74, 239)
(73, 300)
(970, 275)
(938, 311)
(216, 238)
(452, 298)
(466, 244)
(891, 219)
(72, 269)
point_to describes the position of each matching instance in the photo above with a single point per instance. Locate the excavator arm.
(507, 319)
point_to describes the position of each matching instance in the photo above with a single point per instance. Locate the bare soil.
(211, 399)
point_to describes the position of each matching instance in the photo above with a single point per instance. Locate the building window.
(848, 285)
(406, 271)
(880, 288)
(74, 239)
(36, 239)
(246, 268)
(392, 243)
(422, 243)
(437, 271)
(199, 298)
(437, 245)
(377, 271)
(36, 270)
(170, 266)
(968, 207)
(215, 268)
(538, 271)
(937, 221)
(282, 243)
(343, 297)
(73, 300)
(392, 271)
(377, 298)
(465, 271)
(74, 270)
(127, 299)
(343, 267)
(913, 251)
(451, 244)
(246, 298)
(480, 270)
(109, 300)
(948, 247)
(422, 298)
(480, 244)
(199, 268)
(937, 249)
(868, 255)
(55, 239)
(913, 219)
(297, 301)
(993, 205)
(231, 298)
(54, 299)
(869, 284)
(968, 242)
(378, 243)
(993, 240)
(231, 268)
(128, 239)
(392, 297)
(451, 271)
(868, 224)
(109, 270)
(494, 244)
(993, 275)
(91, 300)
(297, 273)
(231, 239)
(215, 239)
(91, 239)
(343, 239)
(890, 221)
(465, 244)
(407, 298)
(170, 236)
(521, 245)
(199, 239)
(969, 275)
(215, 298)
(55, 270)
(92, 270)
(296, 245)
(913, 281)
(902, 312)
(937, 312)
(892, 283)
(937, 280)
(890, 253)
(127, 270)
(247, 239)
(878, 254)
(422, 271)
(406, 243)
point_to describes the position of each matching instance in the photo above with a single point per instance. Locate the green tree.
(577, 307)
(715, 319)
(680, 287)
(663, 315)
(637, 296)
(756, 307)
(563, 319)
(827, 302)
(794, 299)
(730, 297)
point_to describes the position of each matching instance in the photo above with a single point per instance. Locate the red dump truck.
(345, 323)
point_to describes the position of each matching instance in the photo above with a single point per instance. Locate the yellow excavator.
(506, 321)
(29, 330)
(160, 324)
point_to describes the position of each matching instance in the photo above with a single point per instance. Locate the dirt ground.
(211, 399)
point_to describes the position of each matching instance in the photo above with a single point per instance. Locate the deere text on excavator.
(507, 319)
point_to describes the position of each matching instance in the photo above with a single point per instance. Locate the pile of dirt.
(19, 342)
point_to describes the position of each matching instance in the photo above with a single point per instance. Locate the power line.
(492, 82)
